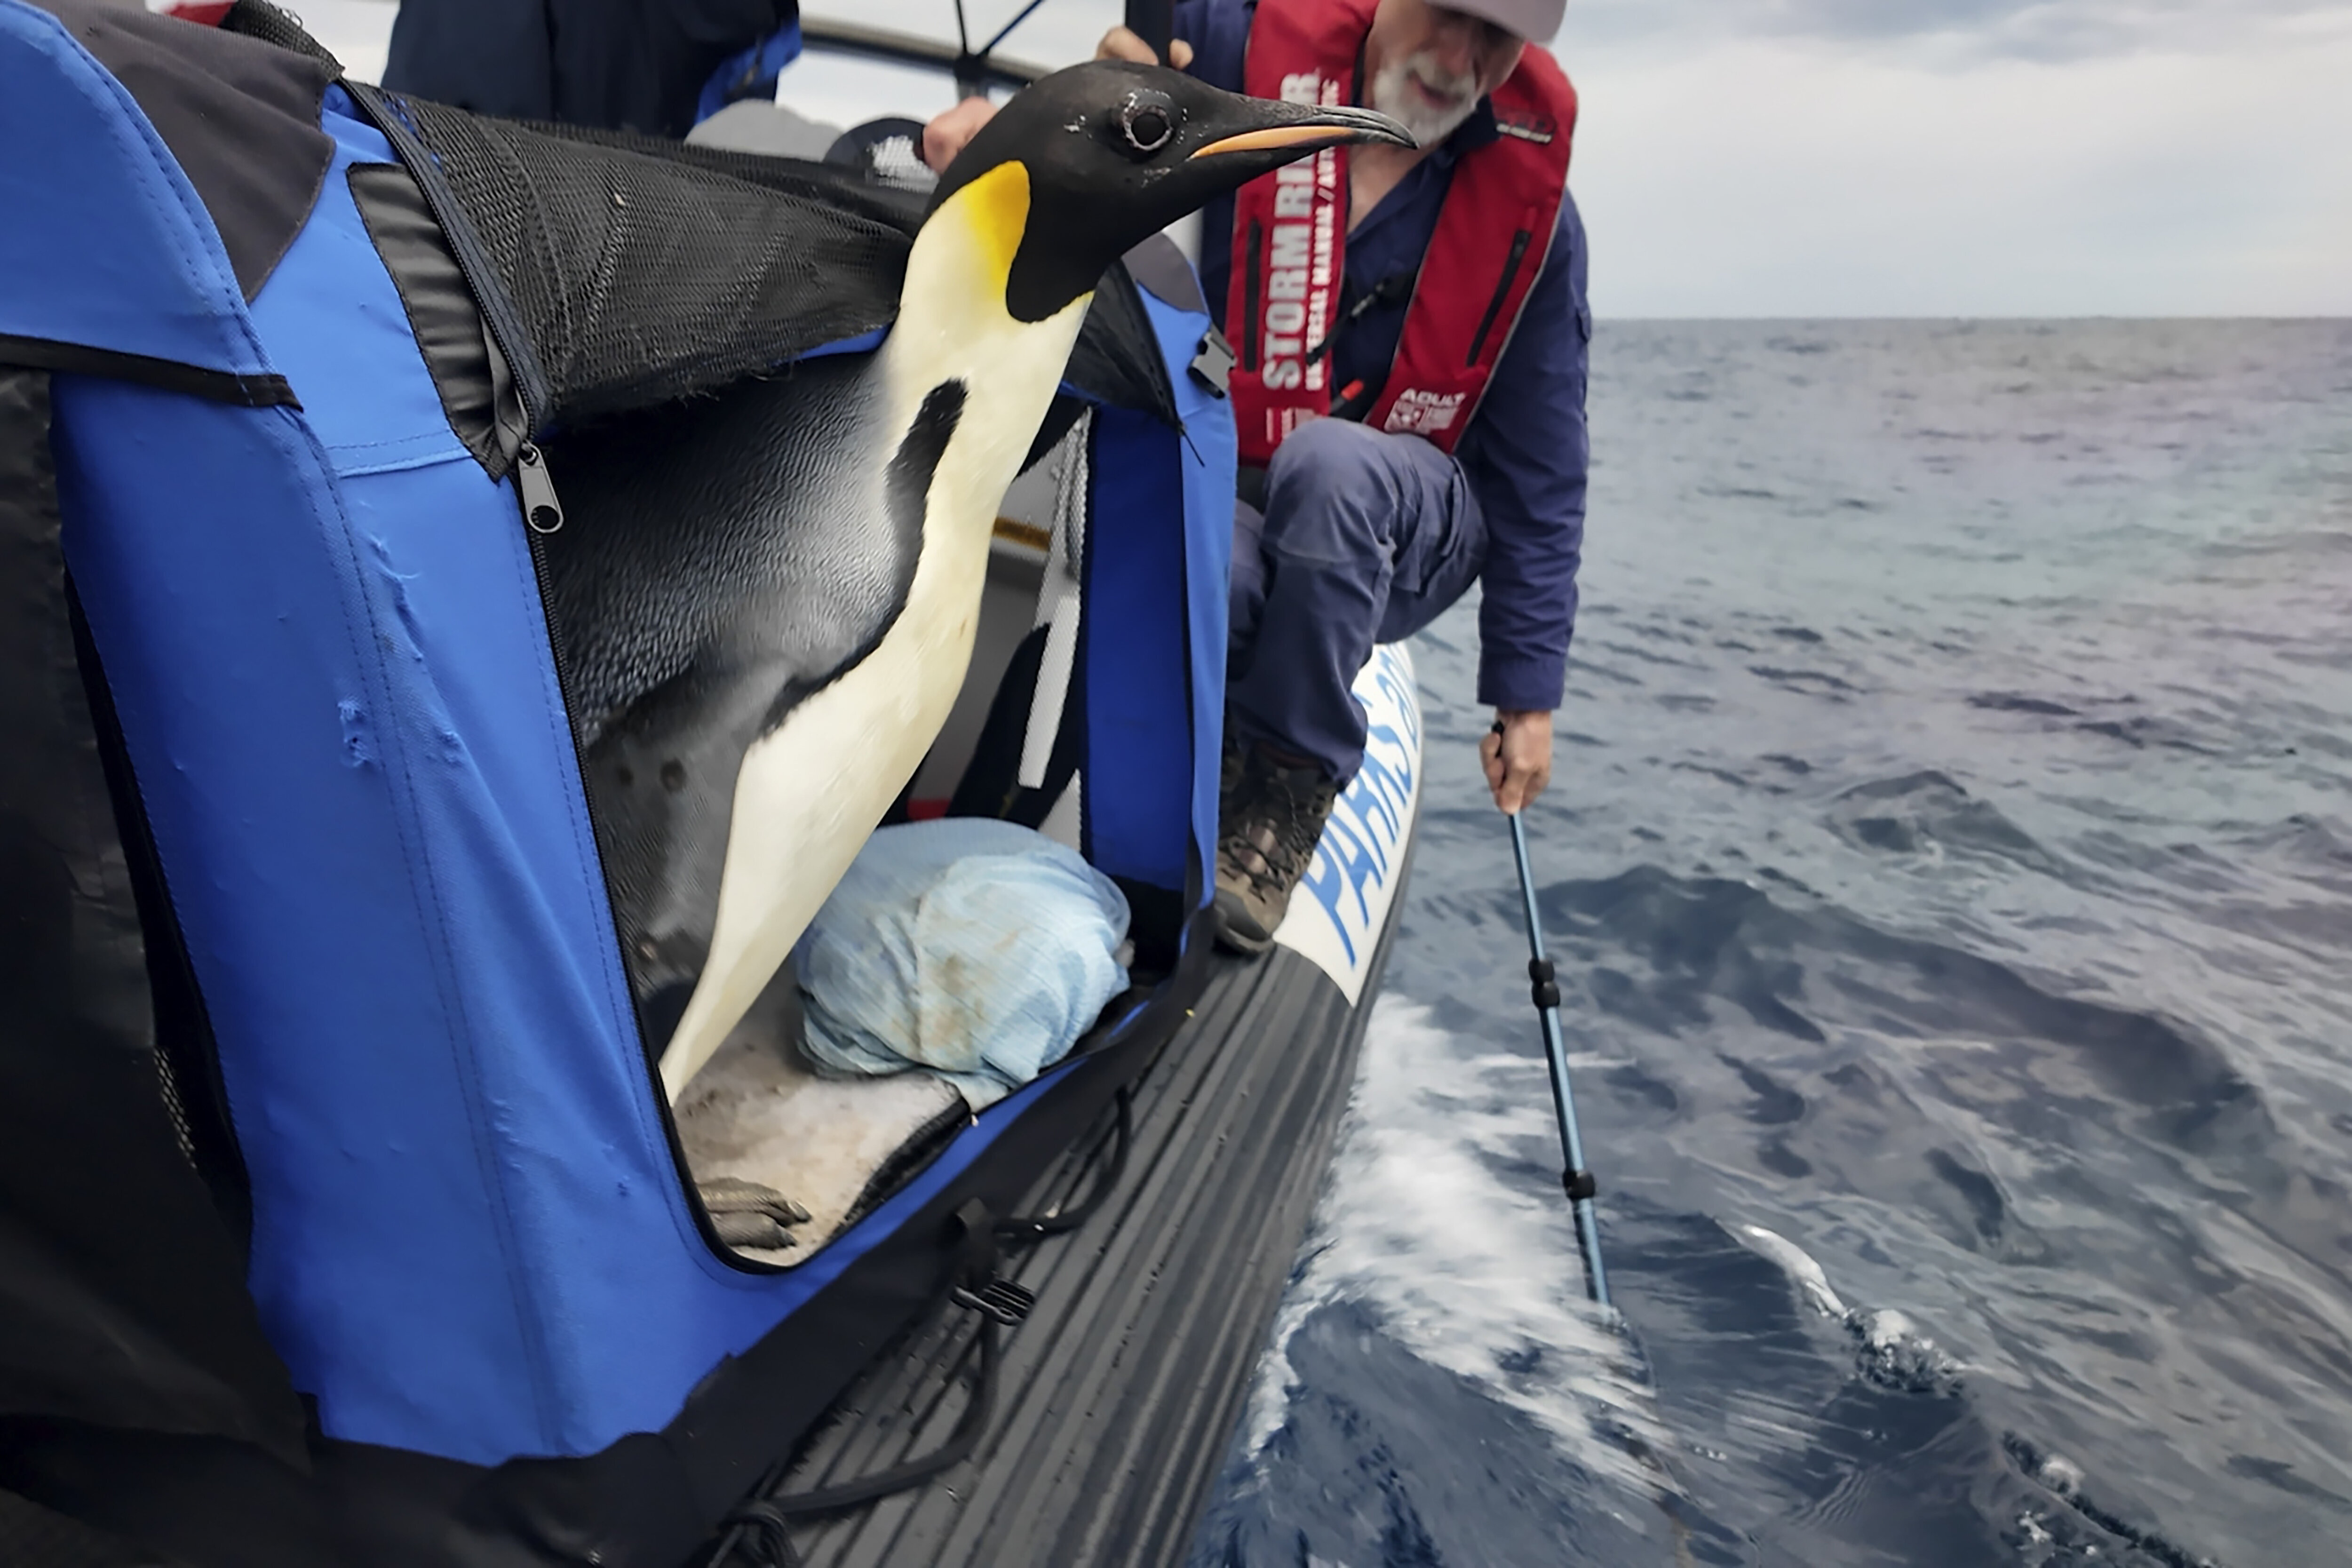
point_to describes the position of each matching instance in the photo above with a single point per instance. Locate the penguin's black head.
(1111, 153)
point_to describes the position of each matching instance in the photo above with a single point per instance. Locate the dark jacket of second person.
(623, 65)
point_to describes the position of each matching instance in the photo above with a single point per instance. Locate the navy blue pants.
(1365, 539)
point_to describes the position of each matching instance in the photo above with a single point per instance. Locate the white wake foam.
(1890, 1349)
(1795, 1262)
(1471, 1272)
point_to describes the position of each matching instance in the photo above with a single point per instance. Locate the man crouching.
(1411, 332)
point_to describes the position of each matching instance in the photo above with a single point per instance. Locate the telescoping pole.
(1153, 21)
(1545, 984)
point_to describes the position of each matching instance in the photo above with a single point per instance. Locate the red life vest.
(1290, 230)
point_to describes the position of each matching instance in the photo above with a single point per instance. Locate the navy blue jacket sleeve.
(633, 65)
(1218, 31)
(1525, 455)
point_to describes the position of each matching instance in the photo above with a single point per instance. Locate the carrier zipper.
(1519, 242)
(1250, 326)
(528, 388)
(540, 511)
(542, 515)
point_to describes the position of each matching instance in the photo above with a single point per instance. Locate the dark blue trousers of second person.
(1365, 538)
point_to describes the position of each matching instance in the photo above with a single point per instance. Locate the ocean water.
(1951, 858)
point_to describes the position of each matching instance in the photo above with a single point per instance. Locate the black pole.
(1153, 21)
(1577, 1180)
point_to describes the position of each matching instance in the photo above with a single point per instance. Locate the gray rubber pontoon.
(1117, 1396)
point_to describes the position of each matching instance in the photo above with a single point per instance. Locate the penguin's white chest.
(811, 792)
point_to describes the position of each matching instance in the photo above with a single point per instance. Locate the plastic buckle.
(999, 1299)
(1213, 366)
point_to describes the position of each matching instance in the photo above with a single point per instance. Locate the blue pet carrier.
(380, 975)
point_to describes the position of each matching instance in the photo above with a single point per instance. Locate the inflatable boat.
(344, 1217)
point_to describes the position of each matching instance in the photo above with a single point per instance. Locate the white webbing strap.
(1058, 605)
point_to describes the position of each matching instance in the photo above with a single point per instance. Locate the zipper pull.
(540, 510)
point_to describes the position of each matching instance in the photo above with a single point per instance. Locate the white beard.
(1393, 95)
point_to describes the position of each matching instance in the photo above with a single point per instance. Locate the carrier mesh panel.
(645, 271)
(635, 270)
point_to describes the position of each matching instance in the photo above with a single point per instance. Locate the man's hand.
(1518, 755)
(1119, 44)
(944, 137)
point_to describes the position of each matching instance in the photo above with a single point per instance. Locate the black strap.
(1024, 1228)
(958, 1448)
(250, 391)
(760, 1527)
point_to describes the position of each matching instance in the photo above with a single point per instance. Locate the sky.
(1813, 158)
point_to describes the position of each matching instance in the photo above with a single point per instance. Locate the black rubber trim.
(905, 1162)
(471, 374)
(122, 1296)
(167, 375)
(239, 117)
(187, 1052)
(1158, 266)
(390, 115)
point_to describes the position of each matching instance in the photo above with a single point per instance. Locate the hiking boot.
(1229, 774)
(1270, 823)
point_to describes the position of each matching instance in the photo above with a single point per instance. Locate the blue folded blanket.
(973, 948)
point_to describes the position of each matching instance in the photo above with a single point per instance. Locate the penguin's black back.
(721, 559)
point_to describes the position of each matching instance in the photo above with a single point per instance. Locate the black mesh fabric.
(619, 271)
(642, 271)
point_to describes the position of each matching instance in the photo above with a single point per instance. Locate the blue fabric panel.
(1138, 765)
(104, 243)
(1211, 449)
(750, 73)
(469, 1237)
(324, 635)
(863, 343)
(1157, 501)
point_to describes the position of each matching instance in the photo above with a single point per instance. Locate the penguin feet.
(745, 1214)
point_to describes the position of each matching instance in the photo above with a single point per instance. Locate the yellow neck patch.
(995, 208)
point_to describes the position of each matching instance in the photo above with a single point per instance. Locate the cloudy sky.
(1880, 157)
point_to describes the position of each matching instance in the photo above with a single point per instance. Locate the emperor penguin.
(765, 604)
